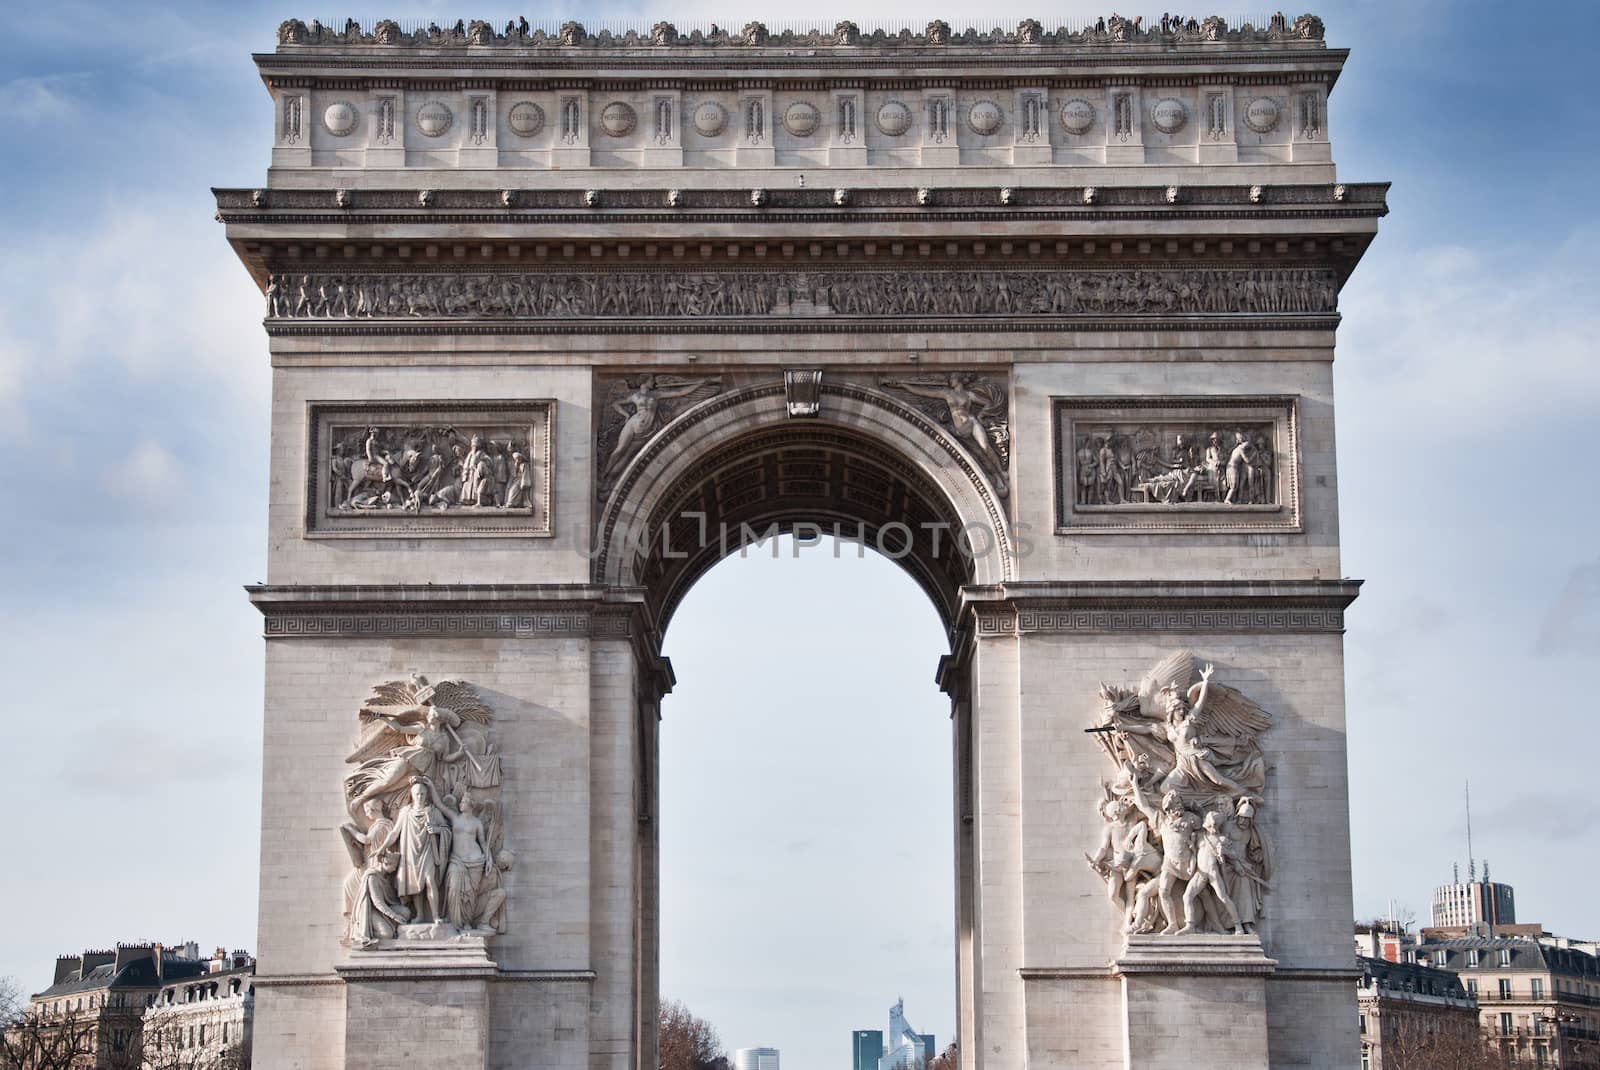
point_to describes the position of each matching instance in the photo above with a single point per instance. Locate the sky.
(133, 395)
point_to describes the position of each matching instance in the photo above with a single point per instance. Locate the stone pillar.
(1193, 1001)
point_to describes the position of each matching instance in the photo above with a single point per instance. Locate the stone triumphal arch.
(1047, 314)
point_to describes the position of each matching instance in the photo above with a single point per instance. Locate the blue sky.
(133, 395)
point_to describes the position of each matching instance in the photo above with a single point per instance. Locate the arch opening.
(737, 470)
(799, 913)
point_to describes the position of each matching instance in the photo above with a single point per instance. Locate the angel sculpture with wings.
(634, 413)
(969, 405)
(1194, 746)
(414, 729)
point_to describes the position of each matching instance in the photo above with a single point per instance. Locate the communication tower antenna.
(1472, 864)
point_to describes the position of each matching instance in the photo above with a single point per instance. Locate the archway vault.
(738, 468)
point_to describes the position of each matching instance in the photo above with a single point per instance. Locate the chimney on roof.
(68, 968)
(127, 954)
(93, 960)
(161, 961)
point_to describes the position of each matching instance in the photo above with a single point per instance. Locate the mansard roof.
(1410, 977)
(138, 974)
(1526, 954)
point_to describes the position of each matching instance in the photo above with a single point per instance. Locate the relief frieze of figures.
(426, 828)
(1178, 463)
(1181, 847)
(430, 470)
(415, 467)
(869, 294)
(1145, 464)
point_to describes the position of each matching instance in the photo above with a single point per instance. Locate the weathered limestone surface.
(923, 283)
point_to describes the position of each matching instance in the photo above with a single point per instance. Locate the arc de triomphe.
(558, 319)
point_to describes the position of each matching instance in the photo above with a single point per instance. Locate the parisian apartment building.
(145, 1005)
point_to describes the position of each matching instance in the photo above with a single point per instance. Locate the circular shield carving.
(985, 117)
(801, 119)
(1262, 115)
(1077, 116)
(525, 118)
(894, 118)
(433, 118)
(340, 118)
(1169, 115)
(710, 119)
(618, 119)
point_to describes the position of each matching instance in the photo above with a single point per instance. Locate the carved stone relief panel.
(1182, 849)
(426, 830)
(1177, 464)
(429, 468)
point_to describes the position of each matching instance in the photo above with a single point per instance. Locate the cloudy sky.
(807, 859)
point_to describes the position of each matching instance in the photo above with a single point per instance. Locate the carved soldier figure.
(1241, 470)
(1177, 828)
(519, 492)
(1251, 865)
(1125, 857)
(1261, 481)
(422, 836)
(1211, 854)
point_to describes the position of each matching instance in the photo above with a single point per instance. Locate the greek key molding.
(449, 625)
(446, 611)
(1285, 607)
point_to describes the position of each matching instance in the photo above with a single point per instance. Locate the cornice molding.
(1109, 607)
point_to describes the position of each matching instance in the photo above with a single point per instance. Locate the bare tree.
(1414, 1042)
(33, 1040)
(949, 1059)
(687, 1042)
(162, 1046)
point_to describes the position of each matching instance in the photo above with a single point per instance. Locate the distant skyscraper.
(907, 1049)
(1473, 902)
(756, 1059)
(866, 1048)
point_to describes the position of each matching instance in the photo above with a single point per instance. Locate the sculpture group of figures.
(1182, 850)
(1128, 466)
(1112, 30)
(510, 295)
(426, 831)
(425, 469)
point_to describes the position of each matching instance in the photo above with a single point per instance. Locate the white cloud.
(1474, 340)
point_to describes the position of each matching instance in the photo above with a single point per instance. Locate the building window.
(1505, 956)
(1506, 1028)
(1472, 987)
(202, 1036)
(1538, 988)
(1505, 988)
(1472, 957)
(1363, 1024)
(1366, 1059)
(224, 1032)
